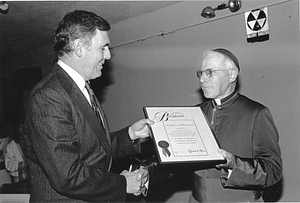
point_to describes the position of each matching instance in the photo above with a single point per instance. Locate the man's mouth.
(100, 64)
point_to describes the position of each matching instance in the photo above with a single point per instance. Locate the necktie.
(98, 110)
(94, 102)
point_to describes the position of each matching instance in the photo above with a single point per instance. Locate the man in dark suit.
(69, 148)
(245, 131)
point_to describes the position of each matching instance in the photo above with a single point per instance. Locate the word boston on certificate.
(182, 135)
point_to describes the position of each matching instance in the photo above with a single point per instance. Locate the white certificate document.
(182, 135)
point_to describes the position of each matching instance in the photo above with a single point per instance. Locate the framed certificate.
(182, 135)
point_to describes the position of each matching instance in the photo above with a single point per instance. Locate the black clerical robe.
(246, 129)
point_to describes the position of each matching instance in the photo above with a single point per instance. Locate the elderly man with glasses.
(246, 134)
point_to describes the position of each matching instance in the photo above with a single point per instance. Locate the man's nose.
(107, 54)
(203, 78)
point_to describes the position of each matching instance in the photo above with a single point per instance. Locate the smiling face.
(222, 82)
(94, 54)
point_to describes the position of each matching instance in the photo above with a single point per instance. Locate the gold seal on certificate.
(182, 135)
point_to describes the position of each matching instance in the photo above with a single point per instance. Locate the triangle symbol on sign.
(250, 17)
(251, 24)
(261, 22)
(261, 15)
(257, 26)
(255, 13)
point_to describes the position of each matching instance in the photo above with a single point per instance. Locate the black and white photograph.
(160, 101)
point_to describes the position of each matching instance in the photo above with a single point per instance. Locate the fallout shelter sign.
(257, 25)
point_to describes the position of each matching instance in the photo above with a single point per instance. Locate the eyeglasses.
(208, 72)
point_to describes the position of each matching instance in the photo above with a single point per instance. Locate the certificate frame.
(182, 135)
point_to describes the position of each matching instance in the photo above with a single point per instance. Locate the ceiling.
(31, 24)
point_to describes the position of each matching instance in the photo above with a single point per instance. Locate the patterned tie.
(98, 110)
(94, 102)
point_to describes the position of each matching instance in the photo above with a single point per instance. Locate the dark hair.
(75, 25)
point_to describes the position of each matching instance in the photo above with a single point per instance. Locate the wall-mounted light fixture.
(232, 5)
(3, 7)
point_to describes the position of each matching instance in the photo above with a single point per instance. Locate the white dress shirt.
(78, 79)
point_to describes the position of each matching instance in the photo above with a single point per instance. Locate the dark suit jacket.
(67, 150)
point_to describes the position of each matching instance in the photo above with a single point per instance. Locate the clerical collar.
(219, 102)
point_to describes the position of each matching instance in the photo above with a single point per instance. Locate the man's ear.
(78, 45)
(233, 73)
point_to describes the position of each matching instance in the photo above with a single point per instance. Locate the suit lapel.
(84, 107)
